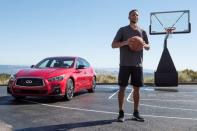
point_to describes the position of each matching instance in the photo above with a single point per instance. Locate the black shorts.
(134, 73)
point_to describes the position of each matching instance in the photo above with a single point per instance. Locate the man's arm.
(116, 44)
(146, 46)
(118, 40)
(146, 42)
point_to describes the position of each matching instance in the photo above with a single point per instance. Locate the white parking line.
(72, 108)
(129, 96)
(112, 95)
(168, 100)
(154, 106)
(163, 107)
(162, 100)
(179, 118)
(165, 100)
(108, 112)
(187, 92)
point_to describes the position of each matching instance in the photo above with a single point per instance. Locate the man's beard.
(134, 22)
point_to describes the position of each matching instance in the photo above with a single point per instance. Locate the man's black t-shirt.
(128, 57)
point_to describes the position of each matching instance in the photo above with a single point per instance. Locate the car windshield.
(56, 63)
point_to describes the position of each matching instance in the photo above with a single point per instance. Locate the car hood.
(43, 73)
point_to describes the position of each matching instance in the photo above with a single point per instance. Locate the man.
(130, 63)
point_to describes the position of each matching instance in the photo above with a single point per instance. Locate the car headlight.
(57, 78)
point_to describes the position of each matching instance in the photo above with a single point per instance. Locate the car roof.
(72, 57)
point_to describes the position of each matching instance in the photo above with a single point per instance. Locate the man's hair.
(134, 10)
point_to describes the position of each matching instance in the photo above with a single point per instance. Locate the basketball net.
(169, 31)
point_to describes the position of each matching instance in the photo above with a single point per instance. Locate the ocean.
(11, 69)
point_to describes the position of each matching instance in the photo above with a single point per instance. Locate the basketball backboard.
(177, 21)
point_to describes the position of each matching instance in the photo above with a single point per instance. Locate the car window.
(44, 64)
(62, 63)
(79, 63)
(85, 63)
(56, 63)
(82, 62)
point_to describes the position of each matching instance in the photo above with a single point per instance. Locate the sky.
(31, 30)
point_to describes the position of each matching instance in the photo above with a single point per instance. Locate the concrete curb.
(169, 89)
(5, 127)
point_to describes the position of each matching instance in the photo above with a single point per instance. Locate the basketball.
(135, 43)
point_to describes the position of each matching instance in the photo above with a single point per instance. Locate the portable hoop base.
(166, 74)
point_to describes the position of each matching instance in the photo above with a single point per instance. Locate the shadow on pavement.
(68, 126)
(8, 100)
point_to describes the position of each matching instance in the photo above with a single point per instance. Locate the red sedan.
(53, 76)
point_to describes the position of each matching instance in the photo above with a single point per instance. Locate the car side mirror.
(32, 66)
(81, 67)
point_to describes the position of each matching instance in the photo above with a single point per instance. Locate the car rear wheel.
(69, 90)
(92, 90)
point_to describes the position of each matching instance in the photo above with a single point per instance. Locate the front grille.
(32, 92)
(29, 82)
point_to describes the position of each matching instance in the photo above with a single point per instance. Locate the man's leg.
(121, 97)
(136, 97)
(137, 82)
(123, 78)
(121, 104)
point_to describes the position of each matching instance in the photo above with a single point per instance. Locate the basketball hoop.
(168, 23)
(170, 30)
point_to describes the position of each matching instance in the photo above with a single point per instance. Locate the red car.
(53, 76)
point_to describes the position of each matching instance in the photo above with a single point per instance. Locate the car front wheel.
(18, 97)
(69, 90)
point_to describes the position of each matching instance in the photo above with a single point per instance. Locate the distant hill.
(111, 71)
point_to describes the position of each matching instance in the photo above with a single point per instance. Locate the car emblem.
(28, 81)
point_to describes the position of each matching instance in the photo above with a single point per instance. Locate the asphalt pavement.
(168, 109)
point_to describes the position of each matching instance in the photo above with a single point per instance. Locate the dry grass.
(4, 78)
(106, 78)
(184, 76)
(149, 80)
